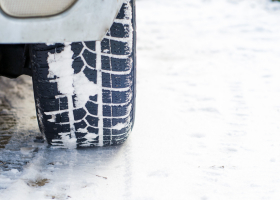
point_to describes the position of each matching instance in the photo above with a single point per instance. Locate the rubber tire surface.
(107, 117)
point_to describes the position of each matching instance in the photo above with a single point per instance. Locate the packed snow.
(207, 116)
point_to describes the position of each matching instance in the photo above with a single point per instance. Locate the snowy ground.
(207, 122)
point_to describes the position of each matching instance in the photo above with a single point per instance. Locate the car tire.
(85, 91)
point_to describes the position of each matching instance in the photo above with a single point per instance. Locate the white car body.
(86, 20)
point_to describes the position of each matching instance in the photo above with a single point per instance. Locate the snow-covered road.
(207, 117)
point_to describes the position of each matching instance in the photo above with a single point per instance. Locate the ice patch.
(82, 130)
(91, 136)
(14, 171)
(53, 119)
(83, 89)
(26, 150)
(49, 44)
(68, 141)
(60, 65)
(119, 126)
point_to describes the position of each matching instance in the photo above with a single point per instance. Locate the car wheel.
(85, 91)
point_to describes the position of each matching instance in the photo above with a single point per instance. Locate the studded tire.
(85, 91)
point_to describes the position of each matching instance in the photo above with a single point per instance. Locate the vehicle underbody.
(14, 60)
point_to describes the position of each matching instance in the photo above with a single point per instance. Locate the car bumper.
(85, 21)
